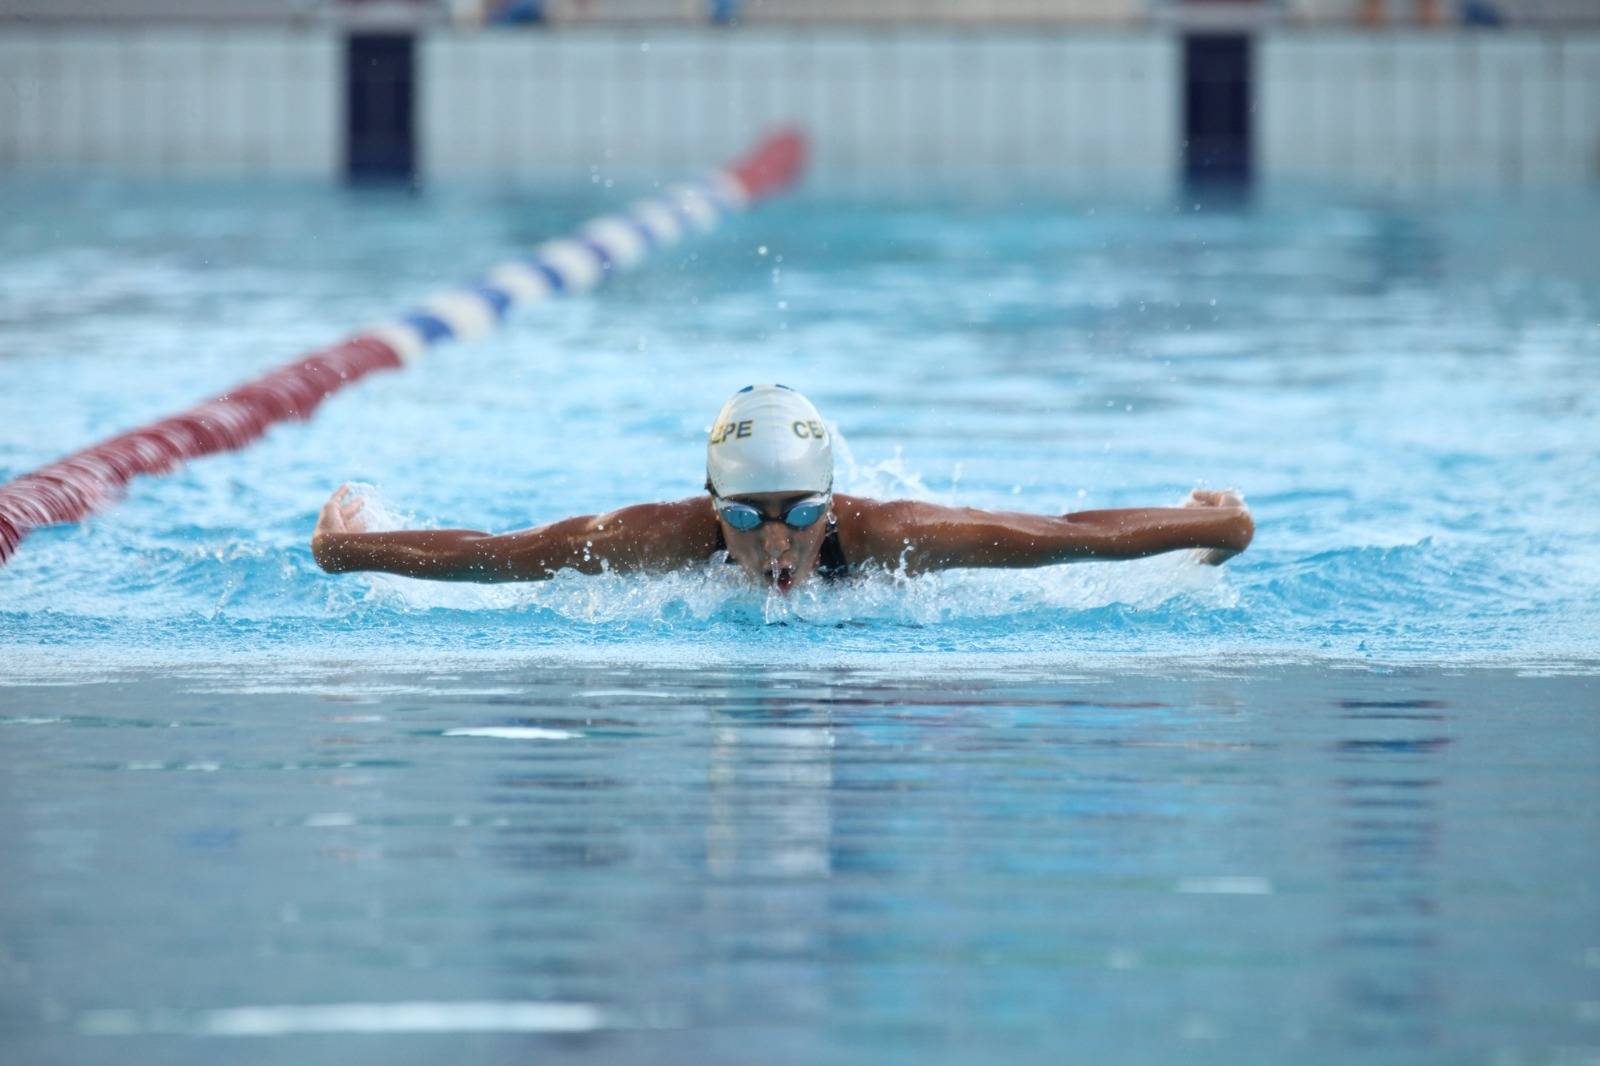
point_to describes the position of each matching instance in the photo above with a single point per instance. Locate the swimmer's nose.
(775, 538)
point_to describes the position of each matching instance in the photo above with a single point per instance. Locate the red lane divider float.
(69, 489)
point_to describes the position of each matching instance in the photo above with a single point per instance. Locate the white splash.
(416, 1017)
(513, 732)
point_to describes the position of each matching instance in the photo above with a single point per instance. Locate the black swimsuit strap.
(831, 563)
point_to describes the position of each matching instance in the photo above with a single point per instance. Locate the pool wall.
(1418, 110)
(884, 108)
(172, 100)
(1065, 110)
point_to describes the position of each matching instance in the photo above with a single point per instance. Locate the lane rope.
(69, 489)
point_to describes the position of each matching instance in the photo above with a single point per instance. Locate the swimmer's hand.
(1221, 498)
(339, 515)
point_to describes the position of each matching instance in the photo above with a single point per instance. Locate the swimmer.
(770, 507)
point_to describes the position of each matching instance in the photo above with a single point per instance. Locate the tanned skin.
(896, 534)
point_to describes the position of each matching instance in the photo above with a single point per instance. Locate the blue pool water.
(1335, 799)
(1407, 398)
(784, 865)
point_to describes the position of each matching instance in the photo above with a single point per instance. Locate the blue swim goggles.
(798, 515)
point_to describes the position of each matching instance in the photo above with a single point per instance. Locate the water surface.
(1406, 395)
(617, 863)
(1333, 801)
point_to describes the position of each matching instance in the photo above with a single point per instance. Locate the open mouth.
(781, 578)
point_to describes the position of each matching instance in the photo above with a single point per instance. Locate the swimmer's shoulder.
(672, 531)
(871, 531)
(692, 512)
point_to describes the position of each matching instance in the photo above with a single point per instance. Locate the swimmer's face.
(775, 553)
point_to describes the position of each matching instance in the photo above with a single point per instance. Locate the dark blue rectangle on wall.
(1217, 102)
(380, 99)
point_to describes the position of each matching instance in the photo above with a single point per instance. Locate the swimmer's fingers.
(336, 514)
(350, 514)
(328, 519)
(1214, 498)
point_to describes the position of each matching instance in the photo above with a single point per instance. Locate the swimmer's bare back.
(895, 534)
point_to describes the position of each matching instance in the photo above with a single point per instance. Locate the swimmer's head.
(769, 468)
(768, 438)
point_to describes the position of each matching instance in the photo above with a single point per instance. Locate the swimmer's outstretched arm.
(651, 536)
(923, 536)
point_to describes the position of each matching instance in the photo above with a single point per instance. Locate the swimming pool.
(1278, 803)
(1406, 397)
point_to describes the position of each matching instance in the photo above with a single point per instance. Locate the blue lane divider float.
(68, 489)
(564, 267)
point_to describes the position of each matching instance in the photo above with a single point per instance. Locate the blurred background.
(1053, 95)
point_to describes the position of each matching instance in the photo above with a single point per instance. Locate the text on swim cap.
(805, 430)
(730, 429)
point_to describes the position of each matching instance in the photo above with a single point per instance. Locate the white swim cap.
(768, 438)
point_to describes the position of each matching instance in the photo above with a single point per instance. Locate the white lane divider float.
(69, 489)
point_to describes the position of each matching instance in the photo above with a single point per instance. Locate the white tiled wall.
(172, 100)
(850, 11)
(1066, 111)
(1401, 12)
(1419, 110)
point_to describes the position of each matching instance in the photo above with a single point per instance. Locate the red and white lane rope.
(69, 489)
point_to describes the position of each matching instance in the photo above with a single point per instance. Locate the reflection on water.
(679, 865)
(1388, 830)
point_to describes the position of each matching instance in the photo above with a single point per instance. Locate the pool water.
(1335, 798)
(591, 862)
(1408, 399)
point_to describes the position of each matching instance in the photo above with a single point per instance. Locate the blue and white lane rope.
(567, 266)
(68, 489)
